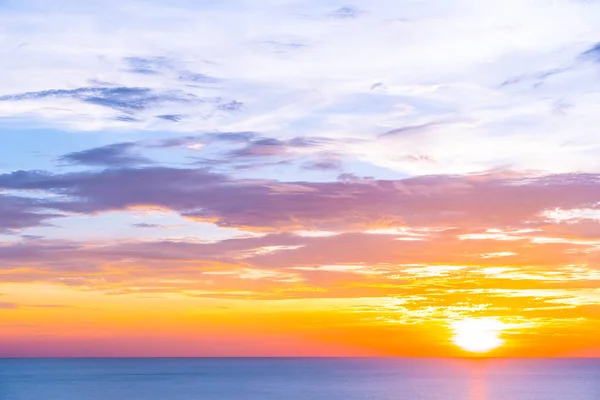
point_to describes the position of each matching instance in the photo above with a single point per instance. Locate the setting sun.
(478, 335)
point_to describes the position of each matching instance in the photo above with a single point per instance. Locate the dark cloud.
(114, 155)
(144, 225)
(208, 138)
(477, 201)
(259, 165)
(262, 147)
(125, 99)
(377, 85)
(35, 250)
(176, 142)
(268, 147)
(22, 212)
(136, 99)
(593, 53)
(171, 117)
(164, 65)
(31, 237)
(230, 106)
(128, 100)
(233, 137)
(325, 164)
(249, 144)
(211, 162)
(126, 118)
(117, 188)
(8, 306)
(148, 66)
(304, 142)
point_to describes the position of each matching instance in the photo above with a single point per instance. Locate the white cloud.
(498, 234)
(287, 69)
(572, 215)
(499, 254)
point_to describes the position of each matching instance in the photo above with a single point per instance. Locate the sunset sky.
(299, 178)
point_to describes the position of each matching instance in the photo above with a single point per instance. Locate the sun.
(478, 335)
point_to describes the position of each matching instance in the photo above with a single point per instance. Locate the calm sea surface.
(299, 379)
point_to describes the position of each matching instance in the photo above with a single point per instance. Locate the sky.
(299, 178)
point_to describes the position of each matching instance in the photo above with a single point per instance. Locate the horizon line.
(292, 357)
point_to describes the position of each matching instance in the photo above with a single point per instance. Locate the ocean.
(299, 379)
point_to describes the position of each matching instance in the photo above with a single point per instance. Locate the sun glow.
(478, 335)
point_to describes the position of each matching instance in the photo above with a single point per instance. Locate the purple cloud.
(21, 212)
(203, 195)
(324, 164)
(114, 155)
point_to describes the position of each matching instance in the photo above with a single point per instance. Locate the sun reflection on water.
(478, 382)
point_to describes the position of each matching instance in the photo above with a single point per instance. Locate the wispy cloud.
(114, 155)
(399, 89)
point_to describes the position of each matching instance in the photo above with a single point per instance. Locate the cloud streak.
(114, 155)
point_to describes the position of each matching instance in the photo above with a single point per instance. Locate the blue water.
(299, 379)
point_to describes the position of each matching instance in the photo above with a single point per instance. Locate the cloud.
(208, 138)
(125, 99)
(272, 147)
(114, 155)
(127, 104)
(304, 86)
(165, 66)
(412, 129)
(171, 117)
(324, 164)
(245, 150)
(145, 225)
(593, 53)
(262, 148)
(141, 65)
(31, 237)
(440, 271)
(22, 212)
(435, 201)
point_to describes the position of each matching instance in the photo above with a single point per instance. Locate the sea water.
(299, 379)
